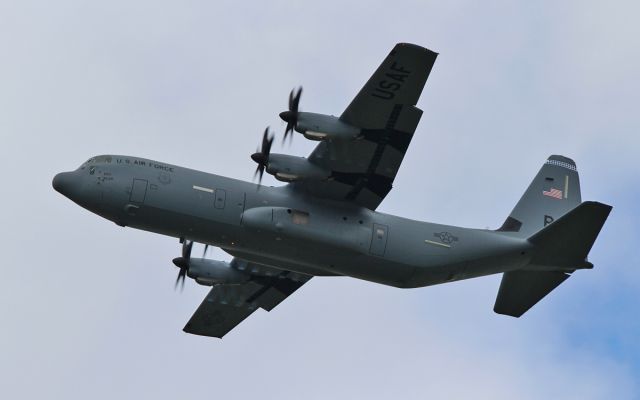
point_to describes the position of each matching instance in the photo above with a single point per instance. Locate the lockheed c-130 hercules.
(324, 223)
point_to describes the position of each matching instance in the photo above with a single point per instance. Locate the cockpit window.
(103, 159)
(97, 160)
(92, 170)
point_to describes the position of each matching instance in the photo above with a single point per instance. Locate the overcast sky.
(88, 309)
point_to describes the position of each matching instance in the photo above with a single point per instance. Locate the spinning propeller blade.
(261, 157)
(183, 264)
(291, 116)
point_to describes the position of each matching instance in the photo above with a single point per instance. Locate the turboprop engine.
(284, 167)
(205, 271)
(315, 126)
(210, 272)
(322, 127)
(288, 168)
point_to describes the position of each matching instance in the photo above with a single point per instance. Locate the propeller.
(291, 116)
(183, 263)
(262, 155)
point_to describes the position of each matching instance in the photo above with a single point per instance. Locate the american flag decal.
(555, 193)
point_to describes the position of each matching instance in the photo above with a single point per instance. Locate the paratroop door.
(138, 191)
(221, 198)
(379, 240)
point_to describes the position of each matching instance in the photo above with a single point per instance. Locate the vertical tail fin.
(552, 193)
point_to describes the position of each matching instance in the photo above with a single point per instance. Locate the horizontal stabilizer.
(559, 249)
(567, 241)
(521, 290)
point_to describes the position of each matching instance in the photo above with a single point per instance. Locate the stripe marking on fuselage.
(437, 243)
(203, 189)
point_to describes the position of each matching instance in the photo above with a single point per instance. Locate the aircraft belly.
(449, 271)
(180, 225)
(326, 261)
(376, 269)
(277, 262)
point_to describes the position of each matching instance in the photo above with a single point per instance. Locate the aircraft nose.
(62, 182)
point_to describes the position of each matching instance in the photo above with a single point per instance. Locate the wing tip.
(509, 313)
(414, 46)
(188, 329)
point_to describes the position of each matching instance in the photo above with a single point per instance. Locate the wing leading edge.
(363, 170)
(226, 306)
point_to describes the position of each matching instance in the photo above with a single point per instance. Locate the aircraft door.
(379, 240)
(138, 191)
(221, 197)
(228, 205)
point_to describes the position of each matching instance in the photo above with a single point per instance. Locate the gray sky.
(88, 308)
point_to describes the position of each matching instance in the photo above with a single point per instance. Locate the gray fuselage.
(284, 228)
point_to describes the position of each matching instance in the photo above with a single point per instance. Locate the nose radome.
(62, 182)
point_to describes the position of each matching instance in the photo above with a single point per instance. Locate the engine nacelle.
(210, 272)
(288, 168)
(321, 127)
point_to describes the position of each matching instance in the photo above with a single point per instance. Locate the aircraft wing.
(226, 306)
(385, 109)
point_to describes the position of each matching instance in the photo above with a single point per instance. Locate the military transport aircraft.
(324, 223)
